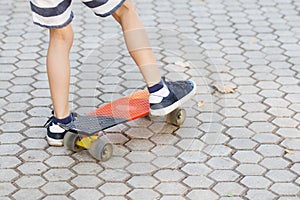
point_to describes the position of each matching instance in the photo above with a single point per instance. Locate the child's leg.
(164, 96)
(137, 42)
(58, 68)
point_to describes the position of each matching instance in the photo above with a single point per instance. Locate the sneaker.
(55, 134)
(180, 92)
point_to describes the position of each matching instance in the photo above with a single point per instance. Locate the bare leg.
(143, 57)
(58, 69)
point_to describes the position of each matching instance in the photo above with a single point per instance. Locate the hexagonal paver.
(86, 193)
(257, 182)
(28, 194)
(114, 188)
(143, 194)
(142, 181)
(285, 188)
(114, 175)
(247, 156)
(169, 175)
(57, 188)
(171, 188)
(198, 182)
(229, 188)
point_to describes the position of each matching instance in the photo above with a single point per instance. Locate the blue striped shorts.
(58, 13)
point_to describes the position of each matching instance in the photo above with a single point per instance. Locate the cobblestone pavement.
(242, 145)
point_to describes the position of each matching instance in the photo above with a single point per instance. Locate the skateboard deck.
(122, 110)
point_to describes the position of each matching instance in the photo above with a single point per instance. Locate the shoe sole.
(167, 110)
(55, 142)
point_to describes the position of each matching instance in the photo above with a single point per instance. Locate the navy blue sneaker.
(180, 92)
(55, 134)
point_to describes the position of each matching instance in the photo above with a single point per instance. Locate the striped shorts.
(58, 13)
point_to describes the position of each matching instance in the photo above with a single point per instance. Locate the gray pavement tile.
(171, 188)
(229, 188)
(224, 175)
(257, 182)
(167, 175)
(247, 156)
(251, 169)
(285, 189)
(143, 194)
(142, 182)
(6, 189)
(86, 193)
(28, 194)
(114, 189)
(257, 194)
(56, 188)
(30, 181)
(202, 193)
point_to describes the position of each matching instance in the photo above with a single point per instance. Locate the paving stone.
(87, 168)
(58, 175)
(250, 169)
(257, 194)
(114, 188)
(202, 193)
(6, 189)
(114, 175)
(30, 181)
(242, 144)
(171, 188)
(294, 157)
(59, 161)
(9, 162)
(288, 132)
(274, 163)
(56, 188)
(143, 194)
(257, 182)
(10, 138)
(229, 188)
(247, 157)
(270, 150)
(221, 163)
(238, 132)
(28, 194)
(198, 182)
(280, 175)
(141, 168)
(169, 175)
(285, 188)
(223, 175)
(140, 156)
(165, 150)
(142, 181)
(291, 143)
(269, 138)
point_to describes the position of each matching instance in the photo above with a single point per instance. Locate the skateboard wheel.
(70, 142)
(101, 149)
(176, 117)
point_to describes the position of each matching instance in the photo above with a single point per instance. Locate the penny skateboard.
(90, 127)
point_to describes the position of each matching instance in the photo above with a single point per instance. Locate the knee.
(65, 35)
(127, 8)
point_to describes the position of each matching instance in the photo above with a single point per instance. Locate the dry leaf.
(224, 89)
(182, 64)
(200, 103)
(288, 151)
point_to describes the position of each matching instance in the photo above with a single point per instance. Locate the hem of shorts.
(112, 11)
(57, 26)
